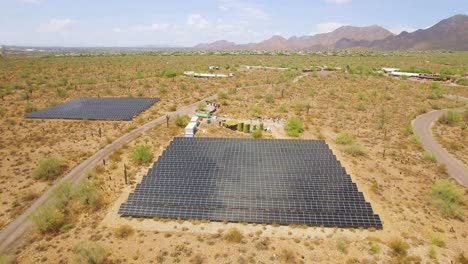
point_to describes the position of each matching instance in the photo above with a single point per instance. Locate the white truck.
(190, 129)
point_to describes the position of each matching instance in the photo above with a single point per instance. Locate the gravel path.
(422, 126)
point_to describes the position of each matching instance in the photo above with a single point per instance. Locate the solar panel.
(96, 109)
(251, 180)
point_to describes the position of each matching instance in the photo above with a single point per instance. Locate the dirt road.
(14, 231)
(422, 126)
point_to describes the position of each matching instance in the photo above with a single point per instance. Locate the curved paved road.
(18, 227)
(422, 126)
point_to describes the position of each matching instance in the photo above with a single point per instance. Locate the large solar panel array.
(251, 180)
(96, 109)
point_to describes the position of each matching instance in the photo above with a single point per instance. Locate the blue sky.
(186, 23)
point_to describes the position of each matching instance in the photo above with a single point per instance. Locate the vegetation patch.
(448, 198)
(294, 126)
(142, 154)
(49, 169)
(89, 252)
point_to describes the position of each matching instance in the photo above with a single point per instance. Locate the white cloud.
(197, 21)
(249, 10)
(117, 30)
(55, 25)
(327, 27)
(30, 1)
(339, 1)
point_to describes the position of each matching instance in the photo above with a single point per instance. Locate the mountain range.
(448, 34)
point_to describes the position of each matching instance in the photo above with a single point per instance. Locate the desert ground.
(384, 159)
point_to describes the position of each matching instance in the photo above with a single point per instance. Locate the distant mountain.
(450, 34)
(217, 45)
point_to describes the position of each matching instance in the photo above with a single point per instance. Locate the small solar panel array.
(251, 180)
(106, 108)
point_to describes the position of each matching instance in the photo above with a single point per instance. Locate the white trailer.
(190, 129)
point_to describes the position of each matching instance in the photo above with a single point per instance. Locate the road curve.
(422, 127)
(18, 227)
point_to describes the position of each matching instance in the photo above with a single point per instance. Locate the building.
(390, 70)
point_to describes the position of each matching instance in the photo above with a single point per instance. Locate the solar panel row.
(96, 109)
(247, 180)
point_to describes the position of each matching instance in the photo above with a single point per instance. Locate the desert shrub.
(408, 129)
(255, 110)
(5, 259)
(233, 235)
(257, 133)
(47, 218)
(374, 247)
(462, 259)
(181, 120)
(294, 126)
(288, 256)
(341, 244)
(360, 105)
(448, 197)
(169, 73)
(399, 247)
(223, 95)
(345, 138)
(142, 154)
(437, 241)
(427, 156)
(124, 231)
(354, 150)
(432, 253)
(61, 195)
(87, 192)
(435, 92)
(450, 118)
(269, 98)
(30, 108)
(89, 252)
(49, 168)
(463, 81)
(65, 228)
(201, 106)
(61, 92)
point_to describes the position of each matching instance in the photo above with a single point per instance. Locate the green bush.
(429, 157)
(345, 138)
(30, 108)
(354, 150)
(269, 98)
(341, 244)
(255, 110)
(399, 247)
(89, 252)
(233, 235)
(257, 133)
(49, 169)
(142, 154)
(87, 192)
(61, 195)
(294, 126)
(450, 118)
(5, 259)
(448, 197)
(463, 81)
(181, 120)
(201, 106)
(168, 73)
(374, 247)
(48, 218)
(223, 95)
